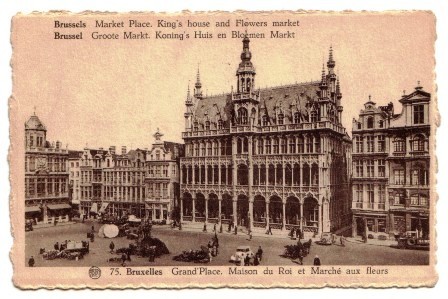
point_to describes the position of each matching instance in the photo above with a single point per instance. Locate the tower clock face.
(41, 163)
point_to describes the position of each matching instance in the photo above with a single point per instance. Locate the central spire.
(246, 71)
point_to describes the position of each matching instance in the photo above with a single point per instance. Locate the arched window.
(297, 118)
(248, 83)
(242, 116)
(196, 126)
(220, 124)
(207, 125)
(370, 123)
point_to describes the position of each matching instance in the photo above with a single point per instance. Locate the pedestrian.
(316, 261)
(301, 256)
(342, 240)
(301, 234)
(298, 233)
(31, 261)
(292, 233)
(230, 227)
(236, 230)
(247, 261)
(220, 228)
(256, 260)
(123, 259)
(92, 237)
(209, 256)
(209, 245)
(250, 235)
(128, 254)
(205, 227)
(56, 246)
(260, 252)
(269, 230)
(93, 228)
(61, 247)
(111, 247)
(214, 228)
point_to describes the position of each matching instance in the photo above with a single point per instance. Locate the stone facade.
(274, 157)
(46, 176)
(391, 160)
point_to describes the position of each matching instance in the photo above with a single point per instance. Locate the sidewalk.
(242, 231)
(374, 242)
(45, 225)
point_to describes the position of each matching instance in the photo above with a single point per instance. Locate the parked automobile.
(241, 253)
(327, 238)
(412, 240)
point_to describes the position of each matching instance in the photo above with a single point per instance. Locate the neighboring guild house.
(74, 161)
(46, 176)
(274, 157)
(162, 178)
(391, 162)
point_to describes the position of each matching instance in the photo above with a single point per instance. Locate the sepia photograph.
(210, 147)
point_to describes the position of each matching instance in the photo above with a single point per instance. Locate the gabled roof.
(418, 95)
(289, 99)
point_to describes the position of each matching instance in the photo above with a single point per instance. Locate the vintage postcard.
(218, 149)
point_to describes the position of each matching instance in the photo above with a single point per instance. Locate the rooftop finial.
(34, 111)
(331, 63)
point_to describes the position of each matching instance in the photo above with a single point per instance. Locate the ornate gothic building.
(274, 157)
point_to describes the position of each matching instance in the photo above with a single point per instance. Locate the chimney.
(123, 150)
(112, 149)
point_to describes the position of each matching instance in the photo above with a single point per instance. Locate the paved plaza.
(354, 253)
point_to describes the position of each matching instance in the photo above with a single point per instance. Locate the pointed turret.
(188, 110)
(331, 63)
(198, 86)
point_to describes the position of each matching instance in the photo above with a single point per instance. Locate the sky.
(118, 92)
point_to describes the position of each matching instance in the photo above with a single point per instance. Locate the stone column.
(301, 216)
(235, 217)
(206, 209)
(284, 215)
(267, 214)
(219, 211)
(181, 209)
(193, 209)
(320, 219)
(251, 214)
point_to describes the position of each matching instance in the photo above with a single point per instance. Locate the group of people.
(296, 233)
(253, 260)
(213, 247)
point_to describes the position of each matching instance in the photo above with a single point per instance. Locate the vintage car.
(326, 238)
(241, 253)
(412, 240)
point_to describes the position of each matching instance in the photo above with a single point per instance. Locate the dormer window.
(220, 124)
(313, 117)
(280, 119)
(381, 123)
(265, 120)
(359, 126)
(196, 126)
(207, 125)
(296, 118)
(419, 114)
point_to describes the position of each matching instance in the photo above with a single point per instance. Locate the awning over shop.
(103, 207)
(60, 206)
(32, 209)
(94, 208)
